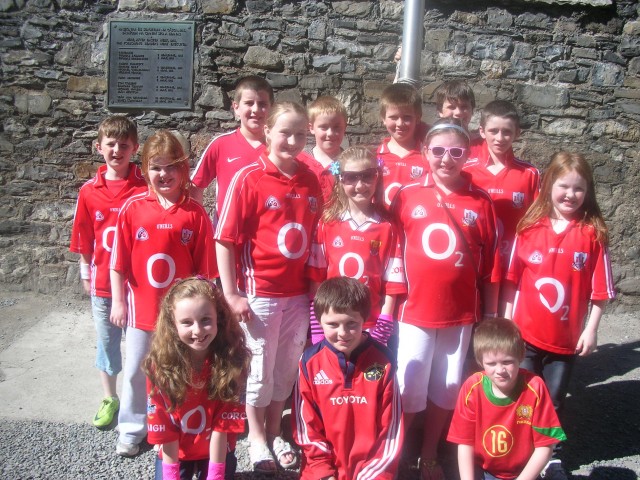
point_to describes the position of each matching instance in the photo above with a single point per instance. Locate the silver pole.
(412, 38)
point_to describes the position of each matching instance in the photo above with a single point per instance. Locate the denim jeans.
(108, 354)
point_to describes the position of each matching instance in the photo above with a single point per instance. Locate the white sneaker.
(127, 449)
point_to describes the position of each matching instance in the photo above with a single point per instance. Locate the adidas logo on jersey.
(99, 216)
(338, 242)
(142, 234)
(535, 257)
(321, 378)
(272, 203)
(469, 218)
(419, 212)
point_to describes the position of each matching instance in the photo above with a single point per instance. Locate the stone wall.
(572, 68)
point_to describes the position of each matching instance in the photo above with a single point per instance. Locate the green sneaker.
(107, 410)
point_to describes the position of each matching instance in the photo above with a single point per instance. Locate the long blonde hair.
(168, 364)
(338, 202)
(561, 164)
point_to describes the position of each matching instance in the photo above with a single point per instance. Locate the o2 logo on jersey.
(272, 203)
(579, 260)
(517, 199)
(469, 218)
(200, 421)
(391, 188)
(342, 266)
(548, 283)
(450, 246)
(163, 262)
(299, 240)
(107, 238)
(497, 441)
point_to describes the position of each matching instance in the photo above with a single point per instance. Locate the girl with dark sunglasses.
(355, 239)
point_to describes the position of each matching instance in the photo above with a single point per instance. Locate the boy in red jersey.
(504, 422)
(230, 152)
(343, 379)
(511, 183)
(99, 202)
(400, 111)
(455, 99)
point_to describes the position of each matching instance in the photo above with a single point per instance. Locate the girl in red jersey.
(355, 239)
(452, 266)
(263, 237)
(559, 265)
(161, 235)
(196, 373)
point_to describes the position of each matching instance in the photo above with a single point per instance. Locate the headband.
(442, 126)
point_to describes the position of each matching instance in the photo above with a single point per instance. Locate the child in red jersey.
(356, 239)
(504, 422)
(264, 231)
(511, 183)
(229, 152)
(452, 268)
(196, 372)
(161, 235)
(559, 265)
(346, 413)
(455, 99)
(99, 202)
(401, 112)
(327, 123)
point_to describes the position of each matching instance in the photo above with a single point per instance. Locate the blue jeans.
(199, 467)
(108, 355)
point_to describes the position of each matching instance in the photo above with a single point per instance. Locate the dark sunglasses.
(367, 176)
(454, 152)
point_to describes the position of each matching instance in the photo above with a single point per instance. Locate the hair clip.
(334, 168)
(205, 279)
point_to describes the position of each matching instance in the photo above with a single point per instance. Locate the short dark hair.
(454, 91)
(502, 109)
(497, 335)
(255, 83)
(341, 294)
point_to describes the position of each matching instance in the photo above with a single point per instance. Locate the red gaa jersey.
(154, 246)
(192, 422)
(505, 431)
(325, 177)
(447, 250)
(347, 416)
(512, 190)
(397, 171)
(369, 253)
(223, 157)
(270, 218)
(557, 274)
(94, 223)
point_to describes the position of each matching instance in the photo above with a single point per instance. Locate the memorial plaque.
(151, 65)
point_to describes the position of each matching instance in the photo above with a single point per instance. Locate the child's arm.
(508, 295)
(118, 306)
(536, 463)
(85, 263)
(317, 335)
(217, 455)
(170, 461)
(588, 340)
(384, 325)
(490, 292)
(226, 253)
(465, 462)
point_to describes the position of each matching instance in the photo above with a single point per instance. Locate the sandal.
(281, 448)
(261, 458)
(431, 470)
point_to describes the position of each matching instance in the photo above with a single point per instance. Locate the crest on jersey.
(469, 218)
(272, 203)
(579, 260)
(385, 171)
(313, 204)
(416, 172)
(524, 414)
(419, 212)
(338, 242)
(374, 247)
(374, 373)
(99, 216)
(518, 199)
(535, 257)
(186, 236)
(142, 234)
(151, 408)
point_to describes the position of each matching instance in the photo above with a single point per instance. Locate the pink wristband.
(170, 471)
(215, 471)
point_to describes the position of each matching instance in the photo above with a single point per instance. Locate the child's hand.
(587, 343)
(239, 306)
(86, 284)
(118, 314)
